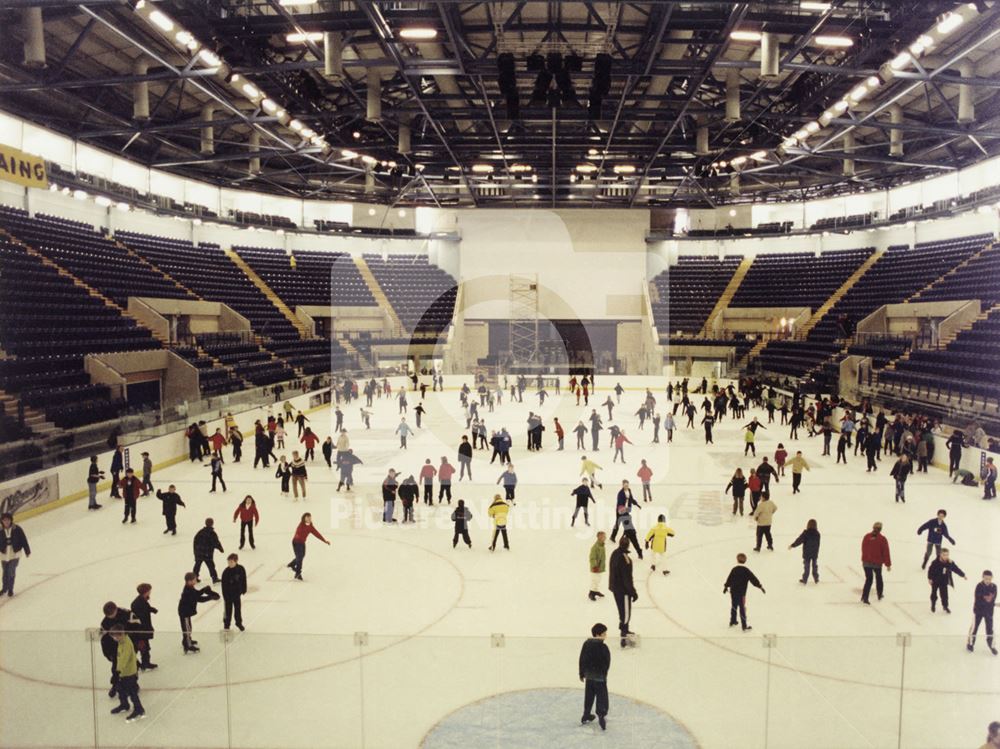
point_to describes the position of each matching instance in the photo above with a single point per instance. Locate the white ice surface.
(299, 679)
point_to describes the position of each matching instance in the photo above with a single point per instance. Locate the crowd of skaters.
(908, 439)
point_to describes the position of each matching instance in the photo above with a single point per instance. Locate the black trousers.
(586, 515)
(500, 530)
(624, 603)
(130, 508)
(631, 536)
(807, 563)
(954, 461)
(208, 562)
(737, 604)
(128, 689)
(508, 490)
(233, 609)
(988, 618)
(171, 522)
(246, 528)
(796, 482)
(186, 628)
(870, 573)
(444, 490)
(464, 535)
(764, 531)
(595, 690)
(218, 476)
(115, 478)
(428, 493)
(939, 589)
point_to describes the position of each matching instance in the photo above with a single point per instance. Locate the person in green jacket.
(128, 675)
(657, 538)
(498, 511)
(598, 560)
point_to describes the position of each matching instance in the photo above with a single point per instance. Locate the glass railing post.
(770, 641)
(902, 641)
(361, 643)
(227, 637)
(93, 636)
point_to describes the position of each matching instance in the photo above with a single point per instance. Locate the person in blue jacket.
(936, 530)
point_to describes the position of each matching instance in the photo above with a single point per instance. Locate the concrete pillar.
(701, 141)
(896, 136)
(734, 184)
(404, 138)
(849, 148)
(966, 102)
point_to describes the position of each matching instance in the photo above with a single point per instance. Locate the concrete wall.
(758, 319)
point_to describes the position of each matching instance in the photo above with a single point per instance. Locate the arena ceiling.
(320, 92)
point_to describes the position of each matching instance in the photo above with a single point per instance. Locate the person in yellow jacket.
(498, 511)
(127, 667)
(657, 539)
(589, 468)
(797, 463)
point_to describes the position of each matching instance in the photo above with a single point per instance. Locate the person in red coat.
(445, 471)
(305, 529)
(427, 474)
(247, 513)
(560, 433)
(874, 554)
(310, 440)
(131, 488)
(217, 441)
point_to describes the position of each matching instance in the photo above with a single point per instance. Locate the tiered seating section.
(978, 279)
(48, 324)
(212, 379)
(91, 257)
(248, 360)
(213, 276)
(898, 275)
(423, 295)
(797, 279)
(318, 278)
(966, 367)
(688, 292)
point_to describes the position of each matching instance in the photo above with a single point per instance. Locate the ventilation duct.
(254, 149)
(374, 113)
(849, 149)
(140, 92)
(404, 138)
(333, 55)
(895, 134)
(770, 52)
(34, 37)
(732, 96)
(701, 141)
(966, 102)
(207, 133)
(734, 184)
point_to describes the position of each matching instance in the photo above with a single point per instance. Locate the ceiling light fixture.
(901, 60)
(294, 3)
(833, 41)
(948, 23)
(745, 36)
(208, 57)
(161, 20)
(624, 169)
(348, 154)
(482, 168)
(418, 33)
(821, 7)
(758, 155)
(306, 36)
(586, 168)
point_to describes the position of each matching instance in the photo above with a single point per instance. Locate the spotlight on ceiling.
(418, 33)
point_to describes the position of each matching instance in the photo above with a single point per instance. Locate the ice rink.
(395, 639)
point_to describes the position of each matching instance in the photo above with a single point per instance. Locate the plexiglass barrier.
(364, 690)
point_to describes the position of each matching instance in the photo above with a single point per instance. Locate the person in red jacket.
(755, 485)
(874, 554)
(299, 543)
(645, 473)
(131, 488)
(427, 474)
(620, 441)
(560, 434)
(247, 513)
(310, 440)
(445, 471)
(217, 441)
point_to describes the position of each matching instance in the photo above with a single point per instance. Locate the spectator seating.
(248, 360)
(315, 356)
(741, 345)
(422, 294)
(688, 292)
(967, 366)
(797, 279)
(213, 276)
(320, 278)
(212, 380)
(978, 279)
(48, 324)
(91, 257)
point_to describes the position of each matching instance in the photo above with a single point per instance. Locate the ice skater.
(940, 575)
(736, 585)
(206, 542)
(763, 515)
(798, 464)
(128, 675)
(584, 496)
(461, 517)
(622, 587)
(147, 475)
(595, 661)
(498, 511)
(656, 540)
(304, 529)
(142, 633)
(597, 560)
(216, 468)
(739, 486)
(131, 488)
(809, 541)
(284, 472)
(465, 458)
(249, 517)
(589, 469)
(984, 601)
(509, 479)
(187, 609)
(874, 554)
(936, 529)
(645, 475)
(624, 501)
(234, 587)
(13, 543)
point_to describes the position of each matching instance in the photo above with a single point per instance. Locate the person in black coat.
(765, 472)
(206, 541)
(327, 448)
(261, 448)
(113, 614)
(187, 607)
(955, 443)
(408, 493)
(234, 587)
(595, 662)
(142, 632)
(346, 461)
(171, 501)
(461, 517)
(117, 466)
(13, 543)
(465, 458)
(809, 541)
(584, 496)
(736, 585)
(622, 587)
(939, 575)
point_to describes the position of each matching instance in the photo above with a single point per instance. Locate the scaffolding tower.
(524, 319)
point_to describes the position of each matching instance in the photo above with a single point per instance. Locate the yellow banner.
(24, 169)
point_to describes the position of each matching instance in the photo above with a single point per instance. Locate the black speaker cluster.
(553, 85)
